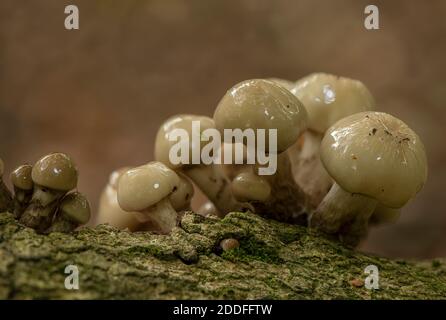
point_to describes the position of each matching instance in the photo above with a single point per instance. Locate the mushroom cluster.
(339, 165)
(41, 195)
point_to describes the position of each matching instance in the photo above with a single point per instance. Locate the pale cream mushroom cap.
(287, 84)
(375, 154)
(109, 210)
(142, 187)
(248, 186)
(181, 197)
(183, 121)
(262, 104)
(329, 98)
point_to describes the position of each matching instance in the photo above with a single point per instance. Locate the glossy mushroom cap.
(262, 104)
(162, 143)
(248, 186)
(55, 171)
(377, 155)
(142, 187)
(287, 84)
(2, 167)
(75, 207)
(183, 194)
(329, 98)
(21, 177)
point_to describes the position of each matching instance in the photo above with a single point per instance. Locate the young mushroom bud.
(265, 107)
(209, 178)
(5, 194)
(110, 212)
(373, 158)
(23, 188)
(208, 209)
(74, 211)
(327, 98)
(250, 187)
(53, 176)
(146, 190)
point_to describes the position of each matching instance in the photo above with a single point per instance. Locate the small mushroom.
(53, 176)
(74, 211)
(327, 98)
(146, 190)
(373, 158)
(262, 104)
(250, 187)
(209, 178)
(110, 212)
(208, 209)
(229, 244)
(5, 194)
(23, 188)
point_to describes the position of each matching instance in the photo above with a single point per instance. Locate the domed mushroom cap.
(75, 207)
(142, 187)
(262, 104)
(55, 171)
(2, 167)
(21, 177)
(375, 154)
(329, 98)
(181, 197)
(185, 121)
(248, 186)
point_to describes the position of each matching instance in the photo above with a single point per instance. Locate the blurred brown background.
(100, 93)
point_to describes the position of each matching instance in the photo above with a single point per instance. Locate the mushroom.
(110, 212)
(327, 98)
(373, 158)
(262, 104)
(181, 197)
(5, 194)
(229, 244)
(247, 186)
(287, 84)
(53, 176)
(74, 211)
(210, 178)
(146, 190)
(23, 188)
(208, 209)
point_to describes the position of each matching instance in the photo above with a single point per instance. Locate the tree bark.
(274, 261)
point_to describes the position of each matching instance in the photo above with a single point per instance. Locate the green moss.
(274, 261)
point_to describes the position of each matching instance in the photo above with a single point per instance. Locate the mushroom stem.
(21, 201)
(344, 214)
(40, 211)
(160, 217)
(308, 170)
(288, 202)
(216, 186)
(5, 197)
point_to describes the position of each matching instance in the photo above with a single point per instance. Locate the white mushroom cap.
(109, 210)
(375, 154)
(248, 186)
(184, 121)
(329, 98)
(262, 104)
(181, 197)
(142, 187)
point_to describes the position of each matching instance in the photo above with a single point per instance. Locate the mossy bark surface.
(274, 261)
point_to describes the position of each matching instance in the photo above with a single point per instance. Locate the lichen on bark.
(274, 261)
